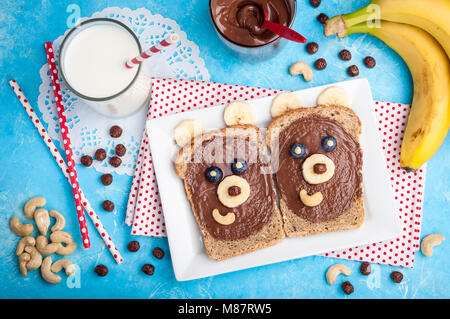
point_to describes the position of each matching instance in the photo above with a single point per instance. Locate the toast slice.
(342, 204)
(258, 221)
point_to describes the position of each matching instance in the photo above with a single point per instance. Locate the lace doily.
(89, 130)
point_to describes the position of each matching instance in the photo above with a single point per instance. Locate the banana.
(283, 103)
(238, 113)
(187, 130)
(430, 15)
(313, 178)
(429, 118)
(334, 95)
(232, 200)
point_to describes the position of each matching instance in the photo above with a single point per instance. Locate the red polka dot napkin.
(144, 213)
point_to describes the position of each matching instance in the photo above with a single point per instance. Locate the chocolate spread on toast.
(345, 185)
(251, 215)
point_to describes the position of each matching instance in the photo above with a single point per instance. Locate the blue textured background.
(27, 168)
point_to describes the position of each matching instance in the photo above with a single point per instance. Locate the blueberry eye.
(214, 174)
(329, 143)
(239, 166)
(298, 150)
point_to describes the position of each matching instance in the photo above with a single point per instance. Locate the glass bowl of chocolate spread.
(238, 23)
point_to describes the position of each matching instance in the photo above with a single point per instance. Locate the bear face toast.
(229, 183)
(318, 162)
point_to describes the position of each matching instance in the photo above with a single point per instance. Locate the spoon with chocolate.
(249, 17)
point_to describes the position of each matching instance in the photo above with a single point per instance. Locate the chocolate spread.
(240, 20)
(255, 212)
(339, 192)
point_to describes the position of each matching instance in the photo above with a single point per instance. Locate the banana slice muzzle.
(233, 191)
(318, 169)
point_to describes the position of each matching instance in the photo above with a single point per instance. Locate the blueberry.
(298, 150)
(214, 174)
(239, 166)
(329, 143)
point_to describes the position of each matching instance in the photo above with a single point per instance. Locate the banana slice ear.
(187, 130)
(334, 95)
(238, 113)
(284, 102)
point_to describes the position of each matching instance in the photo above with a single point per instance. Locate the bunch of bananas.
(419, 31)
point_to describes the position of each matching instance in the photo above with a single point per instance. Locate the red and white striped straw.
(63, 166)
(67, 144)
(171, 39)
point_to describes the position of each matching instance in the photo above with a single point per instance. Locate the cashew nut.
(26, 241)
(60, 220)
(20, 229)
(44, 247)
(32, 204)
(23, 260)
(310, 200)
(47, 273)
(228, 219)
(36, 258)
(429, 242)
(63, 263)
(60, 236)
(66, 250)
(335, 270)
(63, 237)
(42, 220)
(301, 68)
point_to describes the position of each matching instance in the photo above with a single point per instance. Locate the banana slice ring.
(317, 178)
(232, 201)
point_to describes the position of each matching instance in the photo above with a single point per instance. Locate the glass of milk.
(92, 65)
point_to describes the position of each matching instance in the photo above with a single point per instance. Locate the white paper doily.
(89, 130)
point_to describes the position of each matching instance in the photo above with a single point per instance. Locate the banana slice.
(283, 103)
(224, 195)
(238, 113)
(187, 130)
(334, 95)
(309, 173)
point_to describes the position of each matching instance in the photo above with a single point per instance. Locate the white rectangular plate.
(186, 247)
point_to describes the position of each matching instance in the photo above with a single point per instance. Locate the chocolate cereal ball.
(115, 161)
(320, 64)
(120, 150)
(106, 179)
(100, 154)
(86, 160)
(148, 269)
(133, 246)
(108, 205)
(369, 62)
(115, 131)
(312, 47)
(101, 270)
(353, 70)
